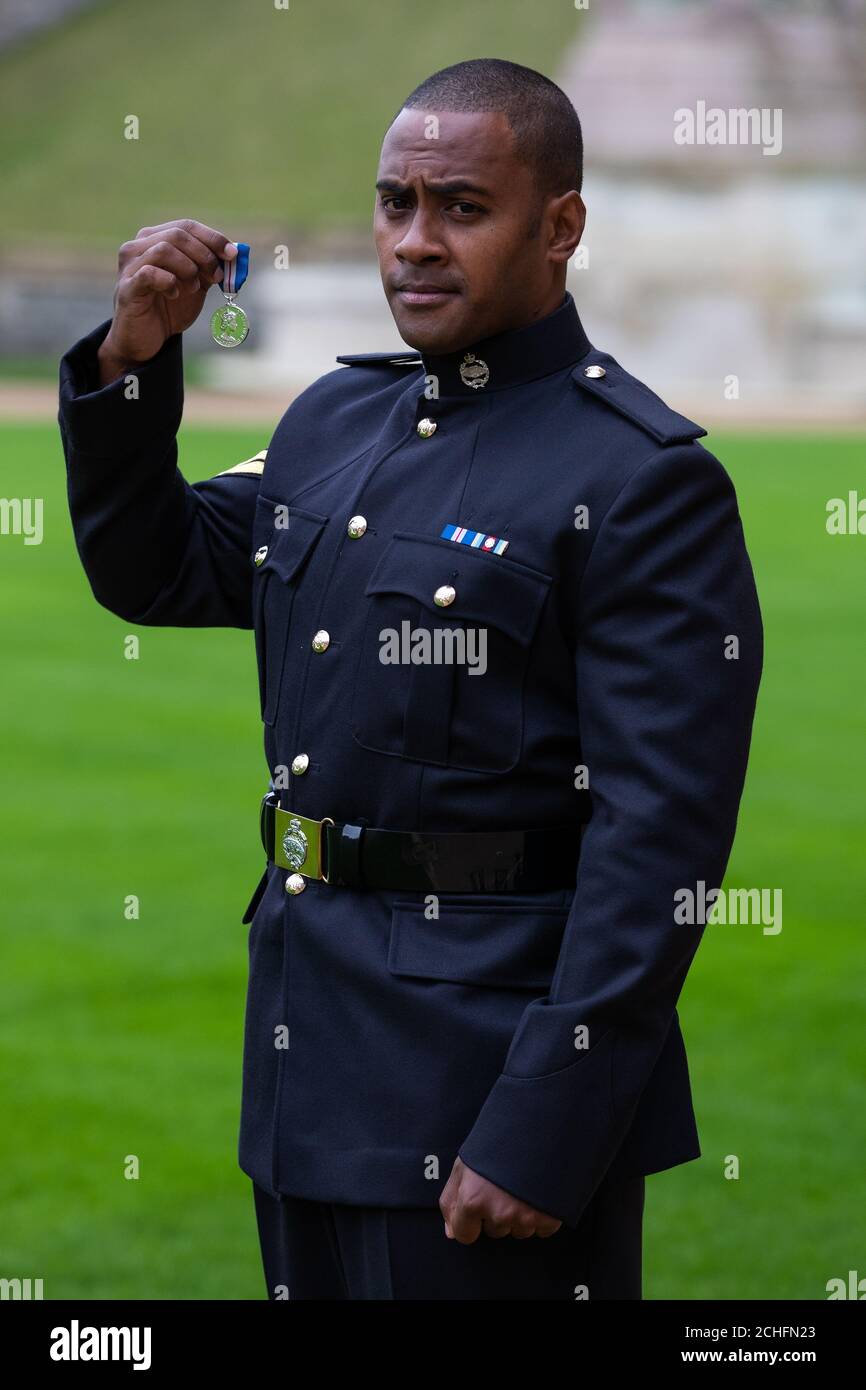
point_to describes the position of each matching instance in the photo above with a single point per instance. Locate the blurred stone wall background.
(731, 279)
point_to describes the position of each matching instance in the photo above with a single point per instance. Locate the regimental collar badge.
(474, 371)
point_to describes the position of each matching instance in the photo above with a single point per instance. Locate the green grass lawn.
(123, 1037)
(261, 123)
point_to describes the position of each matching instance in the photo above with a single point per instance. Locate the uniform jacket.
(536, 1035)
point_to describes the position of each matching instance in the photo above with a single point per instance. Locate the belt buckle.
(298, 844)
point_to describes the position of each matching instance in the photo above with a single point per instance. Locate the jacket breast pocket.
(284, 538)
(444, 652)
(501, 945)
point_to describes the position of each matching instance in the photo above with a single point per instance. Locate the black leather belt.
(362, 856)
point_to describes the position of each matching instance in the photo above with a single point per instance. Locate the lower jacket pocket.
(504, 945)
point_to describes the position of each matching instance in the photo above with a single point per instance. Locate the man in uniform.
(509, 647)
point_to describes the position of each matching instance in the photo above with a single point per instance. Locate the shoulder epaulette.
(253, 467)
(381, 359)
(605, 379)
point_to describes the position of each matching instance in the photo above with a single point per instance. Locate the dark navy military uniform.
(533, 1033)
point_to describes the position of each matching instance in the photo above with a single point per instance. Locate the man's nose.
(421, 241)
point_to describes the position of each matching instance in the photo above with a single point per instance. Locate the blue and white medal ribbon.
(229, 326)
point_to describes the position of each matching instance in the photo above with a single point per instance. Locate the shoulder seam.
(649, 458)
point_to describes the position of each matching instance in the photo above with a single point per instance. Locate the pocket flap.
(510, 945)
(489, 588)
(289, 533)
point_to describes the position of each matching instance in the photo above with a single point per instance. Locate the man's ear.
(566, 218)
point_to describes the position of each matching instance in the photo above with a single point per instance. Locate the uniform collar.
(511, 358)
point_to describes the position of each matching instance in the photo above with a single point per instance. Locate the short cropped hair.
(547, 134)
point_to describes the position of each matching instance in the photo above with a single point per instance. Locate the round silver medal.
(229, 325)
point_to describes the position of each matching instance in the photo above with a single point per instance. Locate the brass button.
(295, 883)
(321, 640)
(300, 763)
(444, 595)
(260, 554)
(357, 526)
(596, 372)
(426, 428)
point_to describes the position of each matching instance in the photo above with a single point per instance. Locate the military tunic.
(534, 1034)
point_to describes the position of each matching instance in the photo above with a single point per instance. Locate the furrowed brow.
(450, 187)
(447, 188)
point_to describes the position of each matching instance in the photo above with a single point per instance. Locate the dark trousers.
(328, 1250)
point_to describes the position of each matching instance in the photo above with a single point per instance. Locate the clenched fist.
(164, 275)
(471, 1204)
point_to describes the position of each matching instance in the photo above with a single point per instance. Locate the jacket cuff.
(549, 1140)
(107, 421)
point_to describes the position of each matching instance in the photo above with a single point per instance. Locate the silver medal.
(229, 325)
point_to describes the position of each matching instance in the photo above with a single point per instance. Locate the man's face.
(452, 223)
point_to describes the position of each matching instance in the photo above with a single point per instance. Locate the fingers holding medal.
(165, 272)
(187, 251)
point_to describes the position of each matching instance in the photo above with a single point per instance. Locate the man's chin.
(436, 328)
